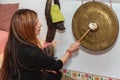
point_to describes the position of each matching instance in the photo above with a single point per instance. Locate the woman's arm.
(73, 47)
(34, 57)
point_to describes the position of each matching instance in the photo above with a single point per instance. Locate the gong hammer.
(92, 26)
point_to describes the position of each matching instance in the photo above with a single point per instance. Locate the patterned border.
(85, 76)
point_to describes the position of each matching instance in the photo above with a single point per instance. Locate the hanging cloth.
(56, 14)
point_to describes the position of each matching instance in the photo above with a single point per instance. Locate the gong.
(106, 20)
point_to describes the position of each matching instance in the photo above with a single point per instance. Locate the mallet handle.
(84, 35)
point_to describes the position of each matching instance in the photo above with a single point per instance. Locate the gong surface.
(106, 20)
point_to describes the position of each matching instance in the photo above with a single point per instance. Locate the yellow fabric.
(56, 14)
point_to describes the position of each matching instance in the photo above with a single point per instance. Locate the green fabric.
(56, 14)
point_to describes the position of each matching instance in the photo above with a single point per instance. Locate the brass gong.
(106, 20)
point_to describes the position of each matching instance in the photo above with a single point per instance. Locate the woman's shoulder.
(29, 48)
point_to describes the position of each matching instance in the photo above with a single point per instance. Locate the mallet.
(92, 26)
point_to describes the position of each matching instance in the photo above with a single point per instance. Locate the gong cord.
(94, 0)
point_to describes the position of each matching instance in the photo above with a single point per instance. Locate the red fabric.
(3, 40)
(6, 12)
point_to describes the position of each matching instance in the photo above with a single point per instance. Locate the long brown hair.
(22, 31)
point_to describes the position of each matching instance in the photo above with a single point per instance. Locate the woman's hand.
(74, 46)
(52, 71)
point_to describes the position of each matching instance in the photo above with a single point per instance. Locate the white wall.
(106, 64)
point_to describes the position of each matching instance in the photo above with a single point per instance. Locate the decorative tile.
(85, 76)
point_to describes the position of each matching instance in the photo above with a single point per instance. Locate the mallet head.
(92, 26)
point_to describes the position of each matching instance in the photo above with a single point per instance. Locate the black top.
(31, 60)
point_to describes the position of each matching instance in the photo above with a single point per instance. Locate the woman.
(24, 58)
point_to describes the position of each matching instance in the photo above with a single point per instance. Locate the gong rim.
(106, 20)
